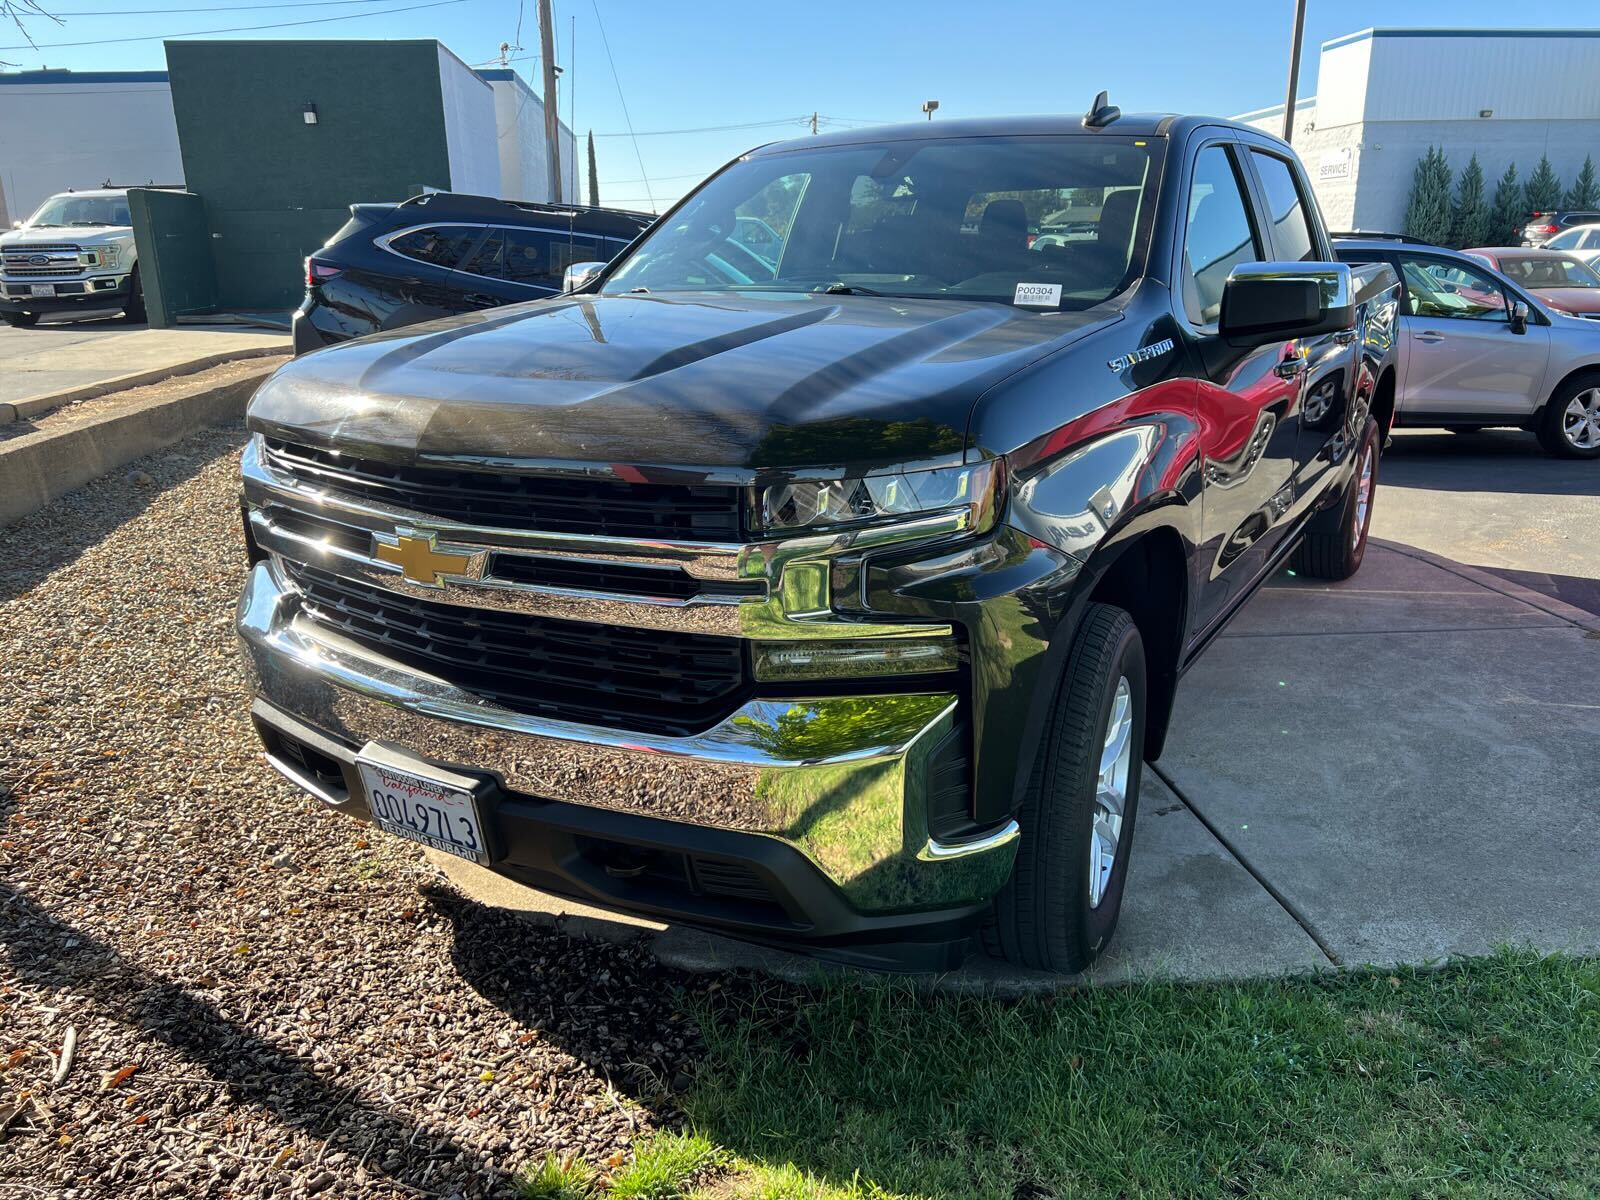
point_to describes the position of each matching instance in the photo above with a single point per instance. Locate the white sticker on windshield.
(1038, 295)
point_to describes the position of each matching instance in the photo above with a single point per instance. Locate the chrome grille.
(509, 500)
(645, 680)
(17, 261)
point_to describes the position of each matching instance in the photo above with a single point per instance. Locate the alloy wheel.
(1580, 423)
(1111, 792)
(1363, 498)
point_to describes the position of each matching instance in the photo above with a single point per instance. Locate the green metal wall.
(274, 187)
(174, 247)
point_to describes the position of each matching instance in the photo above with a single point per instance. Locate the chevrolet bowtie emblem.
(420, 559)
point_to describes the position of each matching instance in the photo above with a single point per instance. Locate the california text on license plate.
(43, 289)
(425, 810)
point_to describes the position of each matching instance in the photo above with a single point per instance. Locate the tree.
(1584, 192)
(1428, 210)
(594, 174)
(1505, 215)
(1469, 219)
(1542, 192)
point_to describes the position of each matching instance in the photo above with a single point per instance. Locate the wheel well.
(1148, 581)
(1383, 402)
(1574, 374)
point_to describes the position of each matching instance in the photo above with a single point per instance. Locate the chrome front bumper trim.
(790, 580)
(841, 778)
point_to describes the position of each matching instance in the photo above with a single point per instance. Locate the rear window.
(439, 247)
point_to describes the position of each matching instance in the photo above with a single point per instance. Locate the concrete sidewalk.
(55, 362)
(1391, 769)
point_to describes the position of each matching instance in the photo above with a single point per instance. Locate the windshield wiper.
(848, 289)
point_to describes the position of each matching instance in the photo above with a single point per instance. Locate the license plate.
(42, 289)
(416, 803)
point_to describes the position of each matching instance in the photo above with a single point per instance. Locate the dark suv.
(1542, 226)
(823, 569)
(431, 256)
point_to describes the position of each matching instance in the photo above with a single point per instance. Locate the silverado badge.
(1143, 354)
(421, 560)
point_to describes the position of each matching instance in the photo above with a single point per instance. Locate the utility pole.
(552, 124)
(1294, 69)
(813, 124)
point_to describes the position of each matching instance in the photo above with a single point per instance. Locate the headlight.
(875, 498)
(108, 255)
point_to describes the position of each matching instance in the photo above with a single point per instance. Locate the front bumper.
(101, 291)
(838, 841)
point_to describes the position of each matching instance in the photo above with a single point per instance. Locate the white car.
(1581, 241)
(75, 254)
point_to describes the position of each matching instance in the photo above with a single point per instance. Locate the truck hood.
(747, 383)
(53, 234)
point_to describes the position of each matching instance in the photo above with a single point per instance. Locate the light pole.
(928, 107)
(1294, 69)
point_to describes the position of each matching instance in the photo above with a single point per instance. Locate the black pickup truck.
(822, 569)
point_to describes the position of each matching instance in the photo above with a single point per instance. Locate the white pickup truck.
(75, 254)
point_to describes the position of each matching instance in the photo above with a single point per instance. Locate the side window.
(1218, 235)
(486, 259)
(1566, 241)
(1437, 287)
(1591, 238)
(441, 247)
(762, 224)
(529, 257)
(1291, 223)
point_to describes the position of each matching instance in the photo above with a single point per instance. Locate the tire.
(1335, 541)
(20, 320)
(134, 308)
(1046, 917)
(1558, 431)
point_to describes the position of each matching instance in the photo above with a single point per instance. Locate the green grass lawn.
(1480, 1079)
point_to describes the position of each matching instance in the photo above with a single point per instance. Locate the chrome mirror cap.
(579, 274)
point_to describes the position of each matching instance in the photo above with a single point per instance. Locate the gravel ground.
(264, 1001)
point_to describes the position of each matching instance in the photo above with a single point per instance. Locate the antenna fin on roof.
(1101, 113)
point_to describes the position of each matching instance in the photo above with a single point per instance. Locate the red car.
(1562, 281)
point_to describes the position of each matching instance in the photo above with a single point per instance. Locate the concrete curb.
(33, 406)
(1492, 582)
(38, 468)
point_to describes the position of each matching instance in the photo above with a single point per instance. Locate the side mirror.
(579, 274)
(1519, 317)
(1270, 302)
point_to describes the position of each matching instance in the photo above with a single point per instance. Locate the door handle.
(1429, 335)
(1344, 337)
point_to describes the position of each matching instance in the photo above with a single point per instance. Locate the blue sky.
(719, 63)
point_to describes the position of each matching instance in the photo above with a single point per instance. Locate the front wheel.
(1570, 427)
(20, 320)
(1060, 907)
(134, 308)
(1335, 541)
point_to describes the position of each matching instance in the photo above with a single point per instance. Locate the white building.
(78, 129)
(1385, 95)
(519, 122)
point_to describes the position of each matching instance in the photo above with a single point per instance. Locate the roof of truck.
(1125, 125)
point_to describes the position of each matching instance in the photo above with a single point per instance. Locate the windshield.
(1536, 271)
(81, 210)
(1045, 222)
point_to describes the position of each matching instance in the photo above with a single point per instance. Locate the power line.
(621, 99)
(657, 178)
(139, 12)
(802, 120)
(158, 37)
